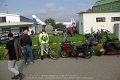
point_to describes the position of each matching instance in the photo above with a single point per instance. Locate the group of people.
(14, 50)
(70, 31)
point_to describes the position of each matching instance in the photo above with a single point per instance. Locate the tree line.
(52, 22)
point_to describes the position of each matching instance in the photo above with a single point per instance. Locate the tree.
(60, 25)
(51, 22)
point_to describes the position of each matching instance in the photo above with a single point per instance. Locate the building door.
(23, 28)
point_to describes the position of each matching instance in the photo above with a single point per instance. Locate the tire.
(35, 54)
(54, 35)
(53, 54)
(99, 54)
(87, 55)
(64, 54)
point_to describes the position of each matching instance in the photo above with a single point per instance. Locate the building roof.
(16, 23)
(23, 20)
(5, 14)
(104, 2)
(99, 12)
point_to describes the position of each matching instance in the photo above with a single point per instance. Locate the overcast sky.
(59, 10)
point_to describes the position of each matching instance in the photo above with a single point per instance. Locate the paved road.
(96, 68)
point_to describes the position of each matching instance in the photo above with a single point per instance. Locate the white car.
(57, 31)
(4, 36)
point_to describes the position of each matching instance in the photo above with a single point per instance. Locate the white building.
(67, 24)
(15, 23)
(92, 20)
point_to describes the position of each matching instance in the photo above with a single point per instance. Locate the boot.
(20, 75)
(42, 57)
(48, 56)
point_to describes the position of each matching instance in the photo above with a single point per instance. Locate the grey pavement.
(95, 68)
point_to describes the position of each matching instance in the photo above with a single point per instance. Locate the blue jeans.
(27, 49)
(44, 45)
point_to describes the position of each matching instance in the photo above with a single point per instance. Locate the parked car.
(57, 31)
(4, 36)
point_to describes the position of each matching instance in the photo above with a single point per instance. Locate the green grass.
(78, 39)
(56, 40)
(1, 53)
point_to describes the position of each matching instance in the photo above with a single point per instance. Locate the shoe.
(20, 76)
(31, 62)
(48, 56)
(26, 63)
(42, 57)
(15, 77)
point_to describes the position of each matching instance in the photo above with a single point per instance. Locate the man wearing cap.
(26, 43)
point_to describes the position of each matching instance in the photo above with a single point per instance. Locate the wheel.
(87, 55)
(64, 54)
(35, 53)
(53, 34)
(53, 53)
(99, 53)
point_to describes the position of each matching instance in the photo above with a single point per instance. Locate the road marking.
(58, 77)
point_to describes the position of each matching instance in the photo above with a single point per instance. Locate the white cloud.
(51, 7)
(51, 10)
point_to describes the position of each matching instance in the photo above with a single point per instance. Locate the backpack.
(44, 37)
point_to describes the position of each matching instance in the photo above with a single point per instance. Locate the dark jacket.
(25, 40)
(18, 49)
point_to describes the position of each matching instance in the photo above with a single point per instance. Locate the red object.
(68, 50)
(65, 46)
(70, 29)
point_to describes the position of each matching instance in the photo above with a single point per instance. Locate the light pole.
(6, 8)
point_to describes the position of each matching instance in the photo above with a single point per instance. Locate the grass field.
(56, 40)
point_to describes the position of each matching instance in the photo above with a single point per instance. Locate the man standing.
(26, 43)
(12, 51)
(70, 31)
(32, 32)
(65, 31)
(43, 40)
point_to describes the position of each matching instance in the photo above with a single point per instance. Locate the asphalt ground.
(95, 68)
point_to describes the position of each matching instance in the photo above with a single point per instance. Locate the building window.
(100, 19)
(2, 19)
(6, 30)
(113, 19)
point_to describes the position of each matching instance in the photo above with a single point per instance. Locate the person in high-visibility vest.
(43, 40)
